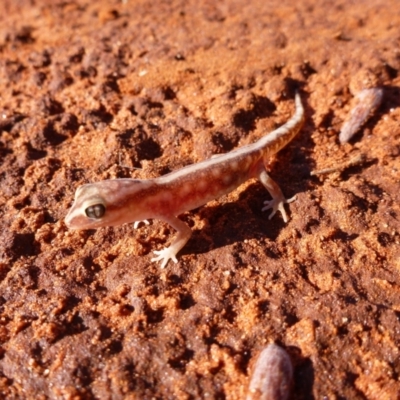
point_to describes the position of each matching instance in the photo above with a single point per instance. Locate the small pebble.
(368, 100)
(272, 375)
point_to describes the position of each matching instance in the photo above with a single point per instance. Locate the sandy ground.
(111, 89)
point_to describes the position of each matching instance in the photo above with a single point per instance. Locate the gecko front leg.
(169, 253)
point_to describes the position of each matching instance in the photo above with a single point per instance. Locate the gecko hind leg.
(278, 199)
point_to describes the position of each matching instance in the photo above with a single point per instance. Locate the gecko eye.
(96, 211)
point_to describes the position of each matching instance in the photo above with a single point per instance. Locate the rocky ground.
(112, 89)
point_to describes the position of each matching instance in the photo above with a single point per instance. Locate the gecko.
(117, 201)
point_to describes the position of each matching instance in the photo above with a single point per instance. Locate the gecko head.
(102, 204)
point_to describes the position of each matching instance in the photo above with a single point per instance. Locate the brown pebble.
(368, 100)
(272, 375)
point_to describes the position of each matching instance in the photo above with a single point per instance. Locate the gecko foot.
(165, 255)
(136, 223)
(277, 204)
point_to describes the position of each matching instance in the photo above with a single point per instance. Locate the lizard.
(117, 201)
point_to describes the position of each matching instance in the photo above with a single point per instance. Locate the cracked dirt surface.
(112, 89)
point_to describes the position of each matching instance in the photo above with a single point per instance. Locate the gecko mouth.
(80, 221)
